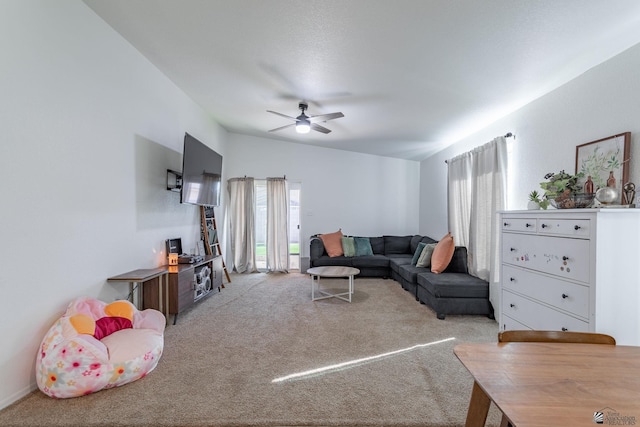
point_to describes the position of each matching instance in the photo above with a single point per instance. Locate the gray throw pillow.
(416, 254)
(363, 246)
(425, 256)
(348, 246)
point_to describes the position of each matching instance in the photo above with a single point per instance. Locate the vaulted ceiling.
(410, 76)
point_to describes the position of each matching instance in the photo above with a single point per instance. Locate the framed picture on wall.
(604, 162)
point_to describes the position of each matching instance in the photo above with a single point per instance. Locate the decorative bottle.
(588, 185)
(611, 182)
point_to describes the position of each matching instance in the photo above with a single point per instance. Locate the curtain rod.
(507, 135)
(245, 177)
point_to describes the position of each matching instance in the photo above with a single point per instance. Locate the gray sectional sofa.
(453, 291)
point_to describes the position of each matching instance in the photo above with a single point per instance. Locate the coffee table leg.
(315, 287)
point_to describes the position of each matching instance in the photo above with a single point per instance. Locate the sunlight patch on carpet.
(353, 363)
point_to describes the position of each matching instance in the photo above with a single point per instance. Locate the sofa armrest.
(316, 248)
(458, 263)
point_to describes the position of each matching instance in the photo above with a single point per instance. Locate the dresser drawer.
(509, 324)
(567, 296)
(519, 224)
(566, 258)
(538, 316)
(577, 228)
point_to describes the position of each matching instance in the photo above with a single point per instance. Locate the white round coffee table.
(335, 272)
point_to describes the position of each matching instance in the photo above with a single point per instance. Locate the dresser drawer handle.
(528, 225)
(512, 249)
(564, 296)
(512, 305)
(544, 226)
(506, 224)
(512, 279)
(565, 258)
(576, 227)
(564, 329)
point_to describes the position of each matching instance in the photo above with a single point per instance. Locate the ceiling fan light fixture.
(303, 126)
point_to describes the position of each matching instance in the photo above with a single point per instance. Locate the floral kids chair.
(95, 345)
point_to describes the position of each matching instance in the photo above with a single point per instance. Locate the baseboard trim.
(10, 400)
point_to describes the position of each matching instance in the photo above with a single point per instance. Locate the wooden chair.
(556, 336)
(552, 336)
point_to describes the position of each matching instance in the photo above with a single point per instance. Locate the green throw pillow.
(417, 253)
(363, 246)
(425, 256)
(348, 246)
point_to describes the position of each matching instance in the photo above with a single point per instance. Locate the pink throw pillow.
(442, 254)
(108, 325)
(333, 243)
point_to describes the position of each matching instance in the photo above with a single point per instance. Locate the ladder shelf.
(209, 234)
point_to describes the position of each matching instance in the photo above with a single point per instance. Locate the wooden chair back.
(555, 336)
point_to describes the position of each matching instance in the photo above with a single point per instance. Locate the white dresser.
(571, 269)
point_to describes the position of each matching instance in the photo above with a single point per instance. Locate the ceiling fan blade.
(282, 127)
(319, 128)
(325, 117)
(280, 114)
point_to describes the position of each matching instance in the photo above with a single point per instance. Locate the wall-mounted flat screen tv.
(201, 174)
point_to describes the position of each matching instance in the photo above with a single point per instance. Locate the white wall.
(364, 195)
(602, 102)
(88, 129)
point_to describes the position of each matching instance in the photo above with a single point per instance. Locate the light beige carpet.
(386, 364)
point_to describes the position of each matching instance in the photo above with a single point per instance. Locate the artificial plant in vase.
(537, 202)
(561, 188)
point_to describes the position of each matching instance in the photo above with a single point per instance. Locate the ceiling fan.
(305, 123)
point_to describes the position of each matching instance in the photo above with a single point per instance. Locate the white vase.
(533, 206)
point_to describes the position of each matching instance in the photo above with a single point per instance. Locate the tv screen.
(201, 174)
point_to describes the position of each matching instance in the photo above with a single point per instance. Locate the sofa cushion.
(427, 239)
(348, 246)
(362, 246)
(373, 261)
(397, 245)
(417, 252)
(316, 249)
(395, 261)
(409, 272)
(333, 243)
(377, 245)
(442, 254)
(458, 263)
(325, 261)
(415, 240)
(453, 285)
(424, 260)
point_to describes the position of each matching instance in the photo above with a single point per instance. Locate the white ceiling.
(410, 76)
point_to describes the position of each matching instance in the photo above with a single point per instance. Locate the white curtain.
(459, 195)
(277, 225)
(477, 187)
(242, 224)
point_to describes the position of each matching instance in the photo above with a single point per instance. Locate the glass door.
(260, 187)
(294, 225)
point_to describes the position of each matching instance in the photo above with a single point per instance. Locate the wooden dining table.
(553, 384)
